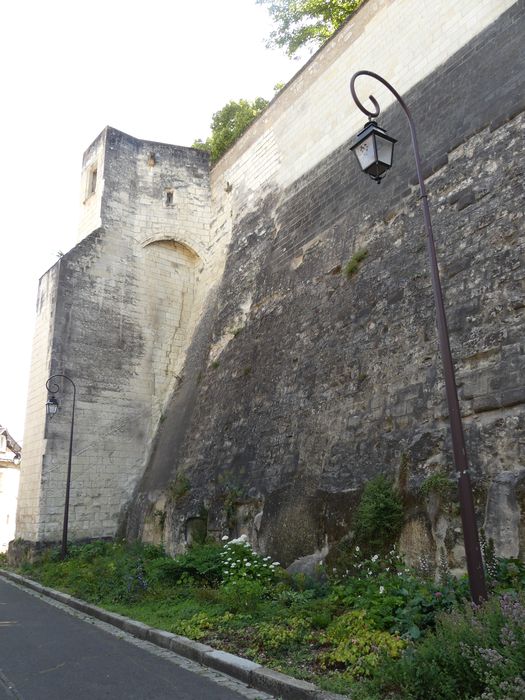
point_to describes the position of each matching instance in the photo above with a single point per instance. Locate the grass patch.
(353, 265)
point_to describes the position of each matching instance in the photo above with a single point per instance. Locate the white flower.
(248, 563)
(240, 540)
(357, 549)
(276, 563)
(225, 538)
(375, 557)
(381, 589)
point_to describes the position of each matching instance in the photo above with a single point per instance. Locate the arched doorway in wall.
(170, 280)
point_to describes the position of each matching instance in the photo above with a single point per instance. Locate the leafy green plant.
(159, 518)
(357, 645)
(437, 483)
(179, 487)
(201, 565)
(395, 597)
(200, 624)
(353, 265)
(243, 596)
(281, 635)
(509, 574)
(379, 516)
(475, 652)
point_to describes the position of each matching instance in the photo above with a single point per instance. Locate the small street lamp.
(374, 151)
(51, 410)
(51, 406)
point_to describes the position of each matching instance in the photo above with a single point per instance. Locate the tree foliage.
(228, 124)
(306, 23)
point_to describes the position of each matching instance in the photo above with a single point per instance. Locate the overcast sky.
(156, 69)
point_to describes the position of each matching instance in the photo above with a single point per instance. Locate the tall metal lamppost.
(51, 409)
(374, 150)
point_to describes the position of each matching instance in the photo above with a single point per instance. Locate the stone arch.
(193, 249)
(170, 279)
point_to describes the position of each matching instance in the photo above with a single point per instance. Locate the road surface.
(48, 652)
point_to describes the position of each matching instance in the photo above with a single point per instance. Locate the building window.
(92, 181)
(168, 201)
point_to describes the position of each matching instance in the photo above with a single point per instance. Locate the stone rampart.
(231, 377)
(315, 381)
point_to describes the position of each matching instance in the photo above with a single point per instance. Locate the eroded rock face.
(505, 516)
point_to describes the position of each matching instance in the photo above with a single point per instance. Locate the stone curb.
(249, 672)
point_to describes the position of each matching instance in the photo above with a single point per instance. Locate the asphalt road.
(47, 653)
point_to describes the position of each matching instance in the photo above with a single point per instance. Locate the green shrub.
(379, 516)
(475, 653)
(99, 571)
(243, 596)
(241, 561)
(201, 564)
(510, 574)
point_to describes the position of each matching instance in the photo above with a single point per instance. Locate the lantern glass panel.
(51, 406)
(385, 150)
(365, 152)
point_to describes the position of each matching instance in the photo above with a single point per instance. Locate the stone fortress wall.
(290, 384)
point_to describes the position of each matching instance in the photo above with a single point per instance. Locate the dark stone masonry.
(332, 379)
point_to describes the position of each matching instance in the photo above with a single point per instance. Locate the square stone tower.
(114, 314)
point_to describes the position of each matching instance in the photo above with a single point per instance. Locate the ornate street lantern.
(374, 150)
(51, 406)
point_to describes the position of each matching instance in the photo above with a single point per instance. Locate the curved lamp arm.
(377, 111)
(54, 388)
